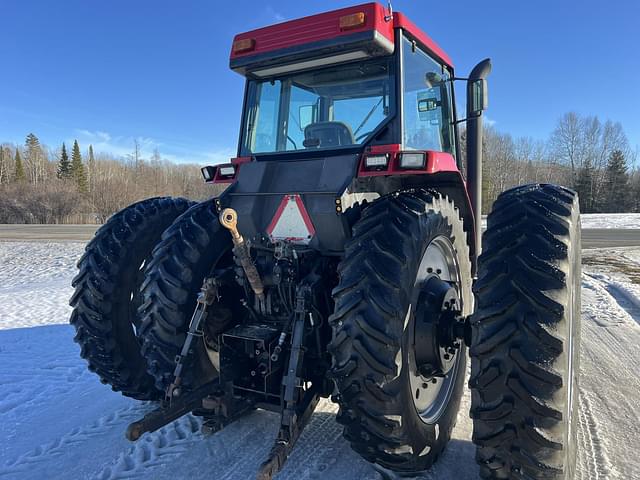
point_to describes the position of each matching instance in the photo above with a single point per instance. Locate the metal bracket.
(296, 413)
(208, 294)
(160, 417)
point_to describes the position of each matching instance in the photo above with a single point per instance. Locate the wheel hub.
(437, 328)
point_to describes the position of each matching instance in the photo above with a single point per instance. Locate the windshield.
(330, 108)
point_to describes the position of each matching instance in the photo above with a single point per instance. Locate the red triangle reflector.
(291, 221)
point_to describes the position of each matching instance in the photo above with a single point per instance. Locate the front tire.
(383, 409)
(525, 336)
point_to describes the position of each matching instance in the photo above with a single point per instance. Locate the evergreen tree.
(34, 158)
(77, 168)
(616, 192)
(635, 194)
(64, 165)
(91, 169)
(19, 175)
(583, 186)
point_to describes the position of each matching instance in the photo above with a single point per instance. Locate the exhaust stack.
(477, 101)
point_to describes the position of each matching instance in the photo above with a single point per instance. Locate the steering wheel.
(363, 135)
(294, 143)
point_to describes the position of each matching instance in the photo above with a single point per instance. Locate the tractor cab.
(341, 108)
(342, 81)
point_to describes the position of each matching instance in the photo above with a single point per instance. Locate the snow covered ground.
(603, 220)
(58, 422)
(611, 220)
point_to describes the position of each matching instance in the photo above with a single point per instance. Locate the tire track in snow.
(77, 436)
(154, 449)
(597, 463)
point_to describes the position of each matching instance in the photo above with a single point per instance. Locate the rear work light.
(354, 20)
(243, 45)
(208, 173)
(376, 162)
(226, 171)
(412, 160)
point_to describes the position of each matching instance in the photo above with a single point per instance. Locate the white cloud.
(489, 121)
(277, 16)
(97, 135)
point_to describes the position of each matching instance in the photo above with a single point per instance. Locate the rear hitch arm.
(207, 296)
(160, 417)
(297, 408)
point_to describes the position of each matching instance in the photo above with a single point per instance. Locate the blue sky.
(106, 72)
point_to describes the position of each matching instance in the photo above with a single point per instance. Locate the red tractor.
(340, 261)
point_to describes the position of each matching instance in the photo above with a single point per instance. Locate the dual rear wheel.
(404, 286)
(406, 264)
(136, 290)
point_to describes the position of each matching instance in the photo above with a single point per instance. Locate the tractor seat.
(327, 134)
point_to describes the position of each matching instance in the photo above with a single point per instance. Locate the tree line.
(582, 152)
(41, 185)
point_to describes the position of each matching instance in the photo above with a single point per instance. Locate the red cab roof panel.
(366, 27)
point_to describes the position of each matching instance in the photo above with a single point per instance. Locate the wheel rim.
(431, 393)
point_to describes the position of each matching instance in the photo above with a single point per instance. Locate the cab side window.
(427, 109)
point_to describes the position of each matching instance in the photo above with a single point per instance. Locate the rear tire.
(372, 348)
(189, 251)
(106, 296)
(525, 345)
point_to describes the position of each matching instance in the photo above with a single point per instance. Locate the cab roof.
(366, 27)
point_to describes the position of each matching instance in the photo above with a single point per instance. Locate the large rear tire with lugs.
(189, 251)
(107, 293)
(399, 411)
(525, 336)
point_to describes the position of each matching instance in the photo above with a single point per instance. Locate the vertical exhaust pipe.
(477, 101)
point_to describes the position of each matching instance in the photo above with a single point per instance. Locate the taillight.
(412, 160)
(243, 45)
(226, 171)
(376, 162)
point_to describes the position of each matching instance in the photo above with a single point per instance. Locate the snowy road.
(58, 422)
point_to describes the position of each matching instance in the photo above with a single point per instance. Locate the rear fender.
(449, 183)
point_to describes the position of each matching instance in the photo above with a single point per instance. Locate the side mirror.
(305, 115)
(479, 94)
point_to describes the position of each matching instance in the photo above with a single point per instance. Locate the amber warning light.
(354, 20)
(244, 45)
